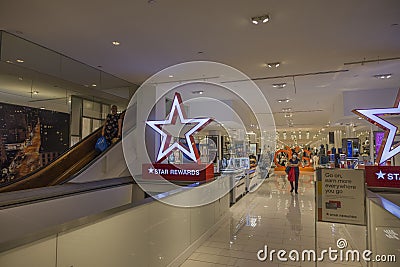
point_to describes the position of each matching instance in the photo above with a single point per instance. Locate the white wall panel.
(22, 220)
(38, 254)
(152, 234)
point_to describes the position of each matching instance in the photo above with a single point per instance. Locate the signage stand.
(339, 198)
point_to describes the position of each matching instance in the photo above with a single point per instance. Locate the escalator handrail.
(99, 156)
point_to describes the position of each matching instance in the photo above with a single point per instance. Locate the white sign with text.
(342, 196)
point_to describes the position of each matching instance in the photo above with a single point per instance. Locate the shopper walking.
(294, 173)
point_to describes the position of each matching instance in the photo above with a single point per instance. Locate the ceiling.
(325, 47)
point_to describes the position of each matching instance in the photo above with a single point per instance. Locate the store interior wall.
(36, 77)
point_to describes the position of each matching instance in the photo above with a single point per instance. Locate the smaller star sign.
(380, 175)
(371, 115)
(166, 148)
(151, 170)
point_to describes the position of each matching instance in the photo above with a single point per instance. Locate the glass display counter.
(238, 183)
(383, 213)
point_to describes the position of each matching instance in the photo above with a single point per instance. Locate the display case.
(250, 174)
(351, 147)
(351, 163)
(238, 183)
(208, 149)
(383, 213)
(226, 148)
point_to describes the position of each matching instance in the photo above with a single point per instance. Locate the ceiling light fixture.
(20, 60)
(286, 100)
(273, 65)
(42, 108)
(289, 115)
(286, 109)
(383, 76)
(94, 85)
(200, 92)
(260, 19)
(116, 43)
(171, 76)
(279, 85)
(35, 92)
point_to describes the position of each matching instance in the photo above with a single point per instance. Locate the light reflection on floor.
(274, 217)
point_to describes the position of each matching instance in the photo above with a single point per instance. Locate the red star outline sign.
(166, 148)
(371, 115)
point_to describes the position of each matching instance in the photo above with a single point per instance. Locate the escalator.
(62, 169)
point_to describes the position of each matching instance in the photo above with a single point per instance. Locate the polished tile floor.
(274, 217)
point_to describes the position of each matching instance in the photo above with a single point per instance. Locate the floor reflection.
(270, 216)
(294, 217)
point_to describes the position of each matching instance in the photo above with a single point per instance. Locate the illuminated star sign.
(177, 112)
(371, 115)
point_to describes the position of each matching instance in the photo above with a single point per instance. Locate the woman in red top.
(294, 163)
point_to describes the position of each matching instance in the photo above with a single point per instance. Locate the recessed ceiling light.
(288, 115)
(360, 118)
(260, 19)
(42, 108)
(171, 76)
(9, 61)
(286, 109)
(274, 65)
(20, 60)
(383, 76)
(283, 100)
(116, 43)
(94, 85)
(200, 92)
(279, 85)
(35, 92)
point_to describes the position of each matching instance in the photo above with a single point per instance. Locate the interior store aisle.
(274, 217)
